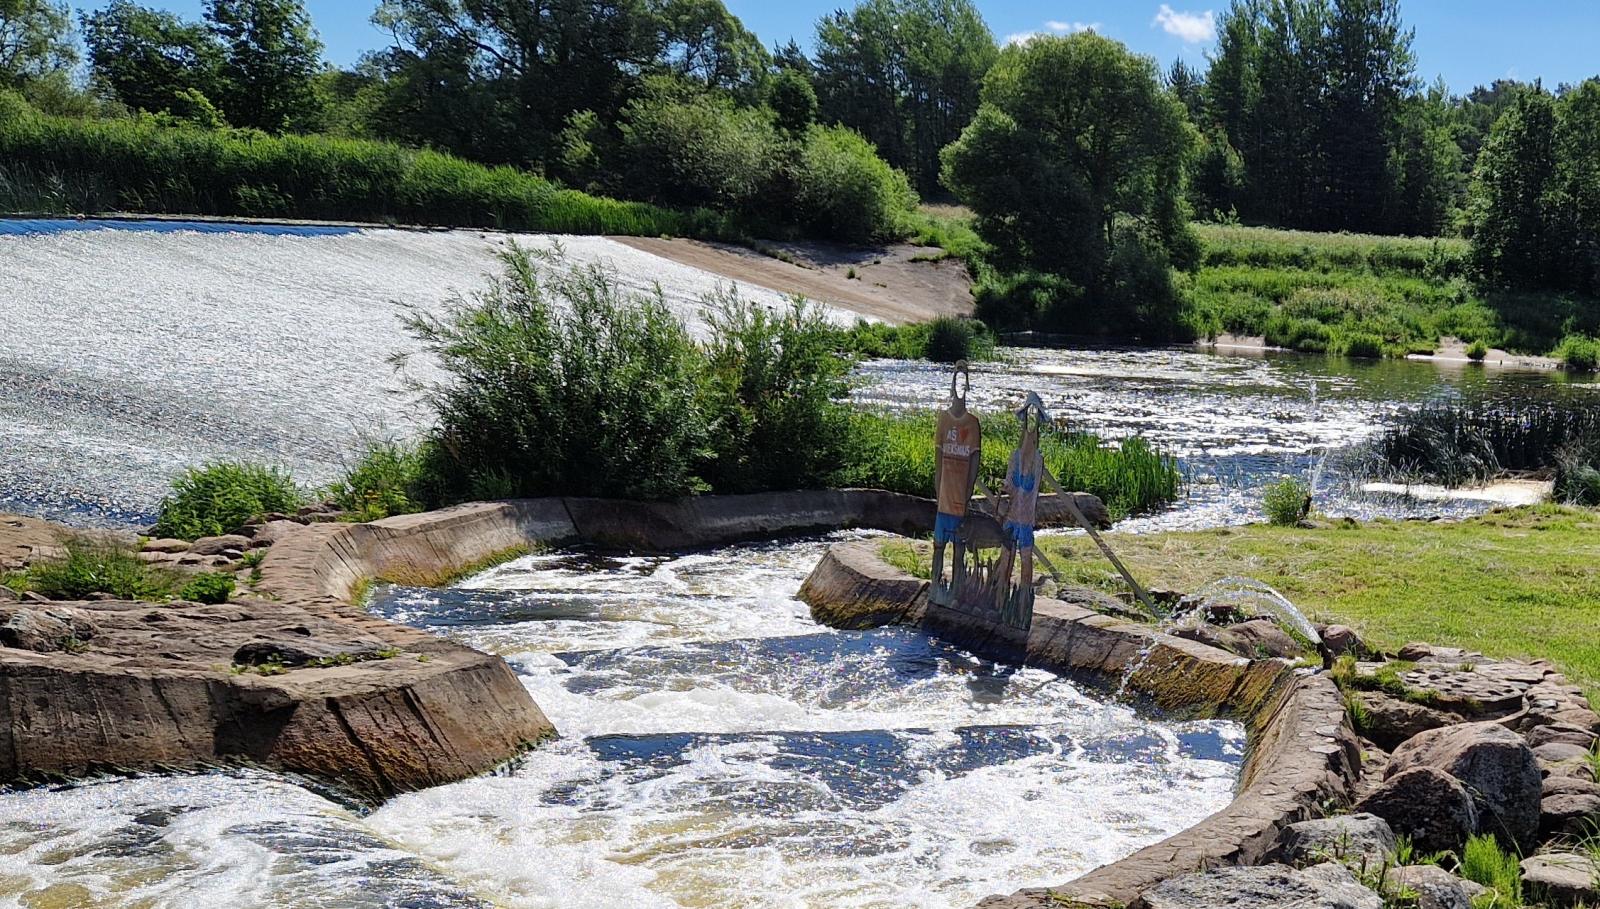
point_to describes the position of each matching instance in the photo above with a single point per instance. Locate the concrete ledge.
(1302, 755)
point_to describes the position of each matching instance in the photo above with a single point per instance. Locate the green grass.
(1286, 501)
(1518, 583)
(72, 166)
(896, 452)
(1264, 247)
(1485, 862)
(92, 566)
(945, 339)
(219, 497)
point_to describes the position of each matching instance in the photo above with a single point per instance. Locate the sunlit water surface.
(719, 749)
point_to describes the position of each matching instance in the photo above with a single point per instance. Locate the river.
(719, 749)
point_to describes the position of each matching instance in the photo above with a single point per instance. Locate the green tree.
(272, 58)
(1369, 70)
(690, 148)
(1576, 187)
(147, 58)
(1512, 242)
(1426, 176)
(1189, 86)
(1073, 134)
(1076, 152)
(793, 100)
(906, 74)
(35, 40)
(702, 41)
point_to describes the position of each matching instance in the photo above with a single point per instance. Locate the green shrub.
(220, 497)
(561, 383)
(154, 164)
(211, 587)
(1579, 353)
(844, 191)
(1359, 344)
(1287, 502)
(94, 566)
(1477, 350)
(1028, 301)
(384, 480)
(951, 339)
(687, 149)
(775, 394)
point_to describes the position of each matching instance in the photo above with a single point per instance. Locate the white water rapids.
(719, 750)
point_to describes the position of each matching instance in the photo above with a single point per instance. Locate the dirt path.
(896, 284)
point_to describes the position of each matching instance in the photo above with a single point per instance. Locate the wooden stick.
(1072, 509)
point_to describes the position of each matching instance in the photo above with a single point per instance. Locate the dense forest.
(1083, 164)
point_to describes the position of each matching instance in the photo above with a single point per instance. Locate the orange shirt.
(959, 440)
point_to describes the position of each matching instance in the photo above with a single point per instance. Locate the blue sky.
(1466, 41)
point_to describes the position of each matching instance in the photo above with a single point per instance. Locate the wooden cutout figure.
(1025, 476)
(959, 443)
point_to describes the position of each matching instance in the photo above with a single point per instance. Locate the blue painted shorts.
(1020, 534)
(946, 527)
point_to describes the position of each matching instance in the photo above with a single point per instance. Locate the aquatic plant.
(1287, 502)
(1454, 443)
(221, 496)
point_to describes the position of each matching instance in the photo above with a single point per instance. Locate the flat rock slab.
(1262, 887)
(1562, 878)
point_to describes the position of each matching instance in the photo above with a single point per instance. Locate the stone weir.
(296, 678)
(1302, 754)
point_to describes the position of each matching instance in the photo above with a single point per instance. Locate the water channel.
(719, 749)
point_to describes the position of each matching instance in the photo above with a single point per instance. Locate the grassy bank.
(1517, 583)
(73, 166)
(1349, 294)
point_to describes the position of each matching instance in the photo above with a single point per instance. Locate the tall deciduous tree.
(272, 58)
(906, 74)
(1512, 195)
(146, 58)
(1074, 164)
(35, 40)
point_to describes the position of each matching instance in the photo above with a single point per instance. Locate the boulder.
(1560, 733)
(1494, 764)
(1357, 839)
(1435, 888)
(1330, 886)
(1426, 804)
(7, 595)
(1561, 878)
(1259, 638)
(303, 652)
(213, 546)
(1556, 752)
(271, 532)
(1342, 639)
(1573, 813)
(45, 629)
(165, 544)
(1391, 722)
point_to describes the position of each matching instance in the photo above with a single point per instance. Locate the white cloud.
(1053, 27)
(1191, 28)
(1068, 28)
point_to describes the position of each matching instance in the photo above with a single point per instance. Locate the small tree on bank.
(1074, 166)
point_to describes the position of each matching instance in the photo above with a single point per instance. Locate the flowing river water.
(719, 749)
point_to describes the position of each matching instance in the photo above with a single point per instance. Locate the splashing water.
(1254, 597)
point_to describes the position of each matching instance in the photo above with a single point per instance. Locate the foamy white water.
(722, 750)
(128, 355)
(729, 753)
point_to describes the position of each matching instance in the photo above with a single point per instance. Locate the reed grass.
(1456, 444)
(1438, 258)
